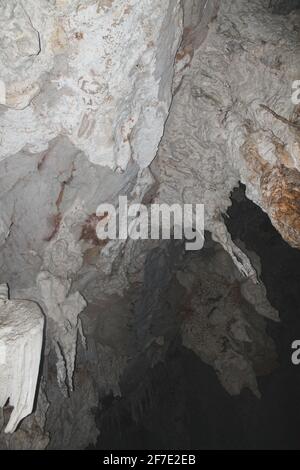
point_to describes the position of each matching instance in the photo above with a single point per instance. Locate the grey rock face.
(161, 101)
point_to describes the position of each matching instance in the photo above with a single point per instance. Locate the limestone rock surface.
(21, 338)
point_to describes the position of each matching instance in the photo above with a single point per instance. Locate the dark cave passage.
(182, 405)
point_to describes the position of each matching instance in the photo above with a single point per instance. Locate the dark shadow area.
(181, 405)
(284, 7)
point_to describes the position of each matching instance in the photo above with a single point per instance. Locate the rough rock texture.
(98, 72)
(222, 323)
(233, 119)
(21, 338)
(89, 87)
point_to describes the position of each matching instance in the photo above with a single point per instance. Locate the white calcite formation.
(62, 309)
(85, 90)
(21, 338)
(96, 71)
(91, 91)
(233, 118)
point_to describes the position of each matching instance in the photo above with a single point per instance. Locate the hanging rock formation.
(160, 101)
(21, 338)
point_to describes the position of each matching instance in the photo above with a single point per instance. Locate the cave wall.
(85, 92)
(162, 102)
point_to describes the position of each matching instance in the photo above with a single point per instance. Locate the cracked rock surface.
(160, 101)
